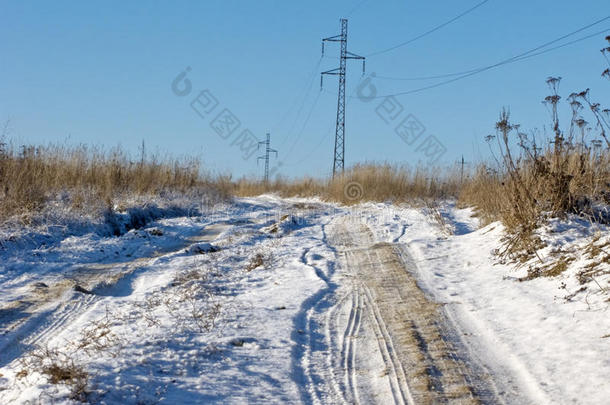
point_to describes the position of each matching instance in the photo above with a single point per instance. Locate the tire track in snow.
(422, 362)
(398, 379)
(39, 326)
(317, 270)
(335, 345)
(328, 378)
(348, 353)
(310, 343)
(67, 312)
(60, 304)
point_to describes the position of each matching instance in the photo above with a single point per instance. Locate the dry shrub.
(57, 367)
(256, 261)
(97, 337)
(191, 301)
(263, 259)
(569, 173)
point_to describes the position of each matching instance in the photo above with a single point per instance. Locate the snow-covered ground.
(249, 302)
(530, 333)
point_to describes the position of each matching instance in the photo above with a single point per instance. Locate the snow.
(524, 332)
(239, 303)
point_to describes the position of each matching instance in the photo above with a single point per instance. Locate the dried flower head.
(575, 105)
(580, 123)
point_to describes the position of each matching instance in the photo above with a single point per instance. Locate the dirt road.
(422, 358)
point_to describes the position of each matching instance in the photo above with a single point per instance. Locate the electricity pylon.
(339, 158)
(266, 155)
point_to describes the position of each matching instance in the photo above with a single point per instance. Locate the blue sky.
(101, 73)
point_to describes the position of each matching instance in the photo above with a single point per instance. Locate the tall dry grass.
(532, 179)
(363, 182)
(32, 176)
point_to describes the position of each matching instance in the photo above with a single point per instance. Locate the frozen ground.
(271, 300)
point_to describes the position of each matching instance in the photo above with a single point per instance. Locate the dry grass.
(599, 260)
(190, 301)
(533, 180)
(568, 173)
(263, 259)
(256, 261)
(569, 179)
(32, 176)
(529, 180)
(97, 337)
(363, 182)
(58, 367)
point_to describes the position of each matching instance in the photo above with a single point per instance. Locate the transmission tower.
(268, 150)
(339, 158)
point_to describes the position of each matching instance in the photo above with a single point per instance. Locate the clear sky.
(102, 72)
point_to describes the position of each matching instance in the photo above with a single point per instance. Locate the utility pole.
(339, 156)
(462, 171)
(462, 163)
(268, 150)
(142, 153)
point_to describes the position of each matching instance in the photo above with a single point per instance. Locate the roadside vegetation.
(89, 179)
(364, 182)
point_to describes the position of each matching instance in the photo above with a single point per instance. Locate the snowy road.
(270, 300)
(383, 340)
(421, 365)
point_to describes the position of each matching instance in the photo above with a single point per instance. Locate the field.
(147, 279)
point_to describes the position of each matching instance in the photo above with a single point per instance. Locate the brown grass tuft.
(58, 368)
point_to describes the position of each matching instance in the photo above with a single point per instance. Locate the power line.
(521, 56)
(438, 27)
(305, 93)
(297, 117)
(300, 133)
(420, 78)
(477, 69)
(356, 7)
(328, 132)
(564, 45)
